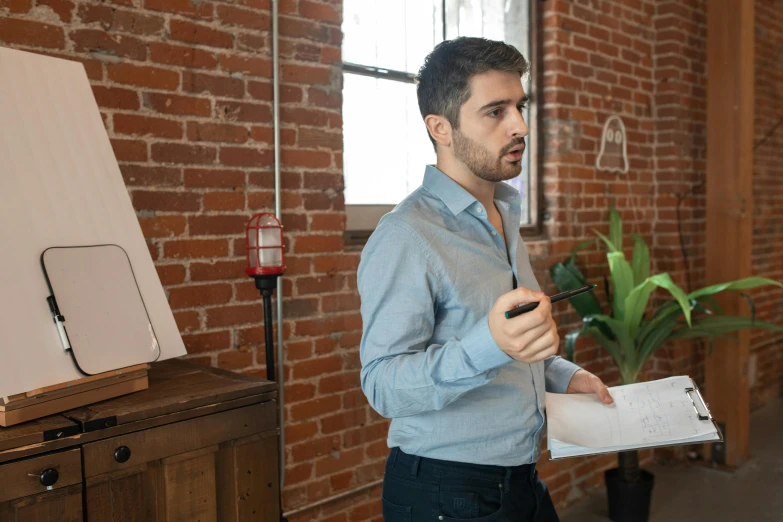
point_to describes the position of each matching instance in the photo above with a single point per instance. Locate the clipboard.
(97, 308)
(678, 416)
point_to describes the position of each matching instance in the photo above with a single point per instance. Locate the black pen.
(555, 298)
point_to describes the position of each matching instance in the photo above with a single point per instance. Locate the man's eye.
(494, 113)
(522, 107)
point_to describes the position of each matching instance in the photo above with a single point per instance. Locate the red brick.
(245, 157)
(306, 158)
(216, 85)
(251, 65)
(242, 111)
(230, 15)
(117, 45)
(144, 176)
(253, 42)
(265, 135)
(181, 153)
(143, 76)
(182, 56)
(326, 345)
(260, 200)
(235, 359)
(324, 98)
(199, 34)
(328, 325)
(307, 74)
(344, 420)
(315, 448)
(175, 104)
(209, 178)
(195, 248)
(16, 6)
(315, 408)
(328, 221)
(170, 274)
(314, 118)
(262, 90)
(224, 201)
(207, 342)
(317, 11)
(188, 320)
(299, 432)
(233, 315)
(335, 263)
(200, 10)
(331, 55)
(299, 473)
(300, 28)
(323, 181)
(217, 132)
(320, 284)
(143, 126)
(217, 270)
(116, 98)
(166, 200)
(163, 226)
(341, 480)
(345, 459)
(62, 8)
(129, 150)
(34, 34)
(296, 350)
(299, 392)
(200, 295)
(137, 23)
(314, 367)
(312, 244)
(217, 225)
(340, 303)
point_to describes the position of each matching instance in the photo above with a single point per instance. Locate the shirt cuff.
(559, 374)
(484, 352)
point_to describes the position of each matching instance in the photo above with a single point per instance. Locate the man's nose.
(519, 128)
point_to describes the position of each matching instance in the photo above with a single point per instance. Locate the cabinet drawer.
(141, 447)
(27, 477)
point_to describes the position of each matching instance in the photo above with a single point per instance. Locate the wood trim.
(730, 114)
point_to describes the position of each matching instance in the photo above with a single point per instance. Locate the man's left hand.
(585, 382)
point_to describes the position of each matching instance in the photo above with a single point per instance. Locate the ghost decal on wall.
(613, 156)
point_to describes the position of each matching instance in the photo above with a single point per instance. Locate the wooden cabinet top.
(177, 390)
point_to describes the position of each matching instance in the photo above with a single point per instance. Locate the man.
(463, 385)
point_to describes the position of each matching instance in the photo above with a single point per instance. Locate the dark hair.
(444, 79)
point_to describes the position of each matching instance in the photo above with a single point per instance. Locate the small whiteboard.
(59, 185)
(105, 320)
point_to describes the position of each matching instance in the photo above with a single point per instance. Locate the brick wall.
(185, 91)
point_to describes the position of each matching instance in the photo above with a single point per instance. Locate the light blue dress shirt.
(428, 276)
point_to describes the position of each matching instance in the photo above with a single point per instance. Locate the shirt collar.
(457, 198)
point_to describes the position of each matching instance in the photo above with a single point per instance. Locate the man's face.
(491, 135)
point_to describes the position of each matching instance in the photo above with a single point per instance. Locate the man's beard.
(482, 162)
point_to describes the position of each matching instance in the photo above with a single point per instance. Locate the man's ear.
(439, 128)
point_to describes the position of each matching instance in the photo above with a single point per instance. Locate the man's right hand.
(530, 337)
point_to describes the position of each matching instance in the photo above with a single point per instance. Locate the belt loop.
(415, 465)
(507, 481)
(393, 457)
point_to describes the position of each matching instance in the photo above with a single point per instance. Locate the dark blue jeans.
(417, 489)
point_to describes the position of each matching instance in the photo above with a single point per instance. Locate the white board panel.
(59, 185)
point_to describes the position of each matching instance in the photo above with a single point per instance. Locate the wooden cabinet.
(200, 445)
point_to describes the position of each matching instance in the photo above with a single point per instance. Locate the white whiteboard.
(59, 185)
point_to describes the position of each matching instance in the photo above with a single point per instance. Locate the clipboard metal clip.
(695, 389)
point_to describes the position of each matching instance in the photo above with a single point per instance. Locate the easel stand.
(46, 401)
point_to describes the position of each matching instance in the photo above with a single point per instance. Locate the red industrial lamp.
(265, 263)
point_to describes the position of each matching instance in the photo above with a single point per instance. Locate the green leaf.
(589, 328)
(656, 338)
(723, 324)
(739, 284)
(627, 347)
(714, 306)
(637, 299)
(751, 304)
(622, 280)
(568, 277)
(615, 229)
(577, 248)
(609, 244)
(570, 343)
(640, 263)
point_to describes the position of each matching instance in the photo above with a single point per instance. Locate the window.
(386, 146)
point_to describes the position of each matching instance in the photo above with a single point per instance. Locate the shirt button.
(479, 209)
(494, 233)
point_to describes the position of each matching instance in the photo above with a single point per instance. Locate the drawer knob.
(122, 454)
(49, 477)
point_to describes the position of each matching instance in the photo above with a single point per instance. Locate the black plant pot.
(629, 501)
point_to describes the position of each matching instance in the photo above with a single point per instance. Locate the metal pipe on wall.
(279, 322)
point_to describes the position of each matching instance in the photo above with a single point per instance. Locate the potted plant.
(631, 335)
